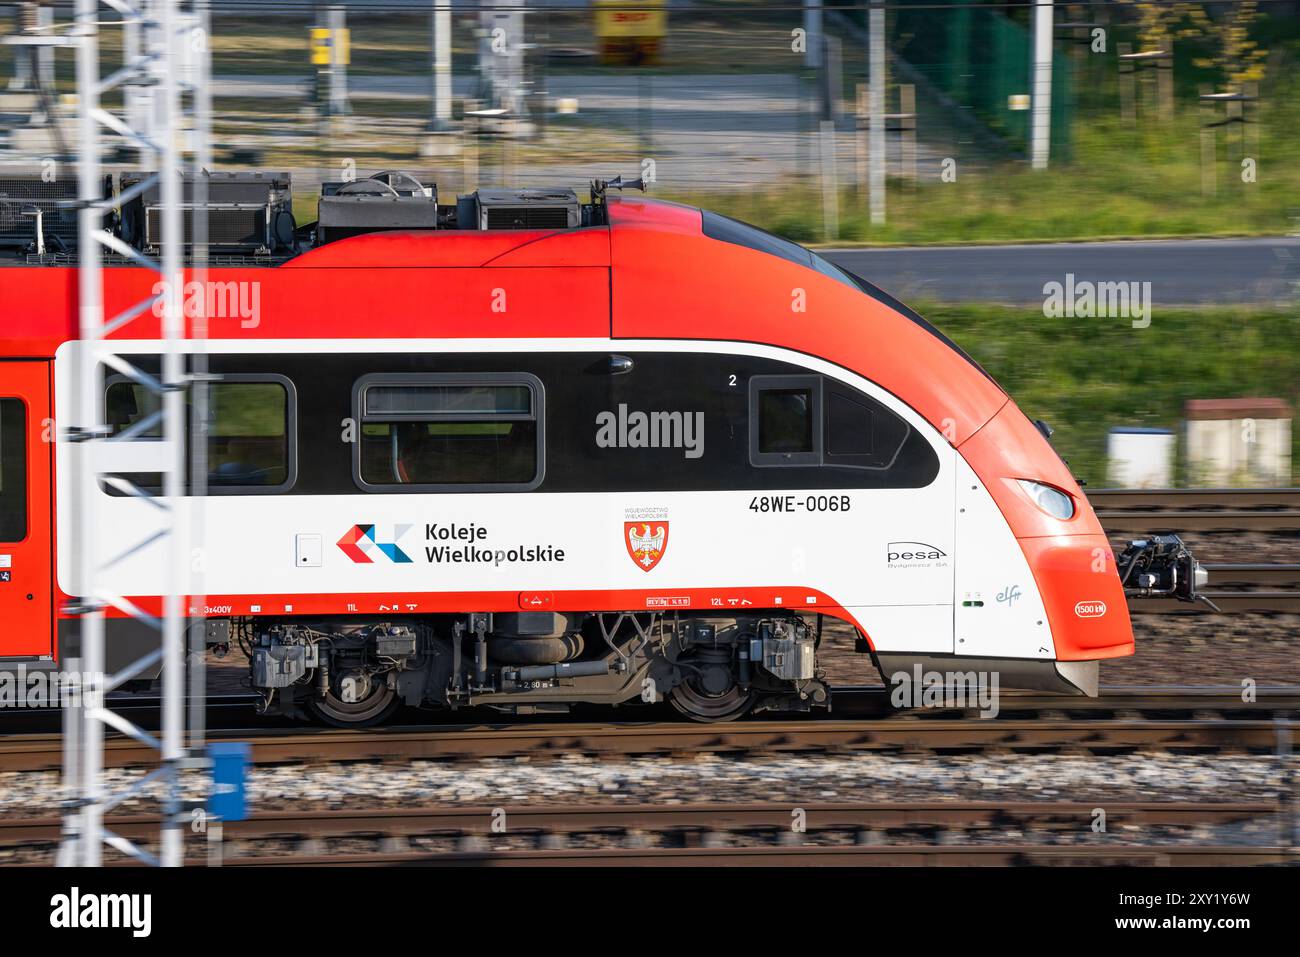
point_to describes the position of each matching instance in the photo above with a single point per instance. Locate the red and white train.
(639, 452)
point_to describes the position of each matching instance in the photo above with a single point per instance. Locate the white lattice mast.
(163, 42)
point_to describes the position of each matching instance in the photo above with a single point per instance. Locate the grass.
(1123, 183)
(1120, 182)
(1131, 186)
(1085, 376)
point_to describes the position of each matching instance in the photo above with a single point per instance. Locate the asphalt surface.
(704, 131)
(1262, 271)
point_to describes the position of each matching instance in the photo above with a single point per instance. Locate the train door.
(26, 521)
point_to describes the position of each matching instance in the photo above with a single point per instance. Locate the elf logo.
(1090, 609)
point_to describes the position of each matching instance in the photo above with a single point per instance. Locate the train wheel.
(709, 692)
(374, 702)
(706, 708)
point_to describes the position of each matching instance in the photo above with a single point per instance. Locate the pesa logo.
(914, 555)
(1090, 609)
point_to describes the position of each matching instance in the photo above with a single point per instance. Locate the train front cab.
(1085, 611)
(26, 514)
(1036, 598)
(1005, 544)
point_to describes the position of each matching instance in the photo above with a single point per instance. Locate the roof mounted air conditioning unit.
(248, 212)
(384, 202)
(527, 209)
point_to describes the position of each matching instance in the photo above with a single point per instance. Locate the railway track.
(1187, 498)
(1253, 575)
(1139, 511)
(1236, 588)
(1226, 520)
(984, 833)
(1121, 721)
(237, 714)
(833, 856)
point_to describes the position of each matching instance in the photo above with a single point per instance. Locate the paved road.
(1180, 271)
(704, 131)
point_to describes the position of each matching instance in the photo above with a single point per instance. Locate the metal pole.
(1235, 118)
(1040, 139)
(169, 39)
(830, 182)
(1250, 120)
(441, 66)
(832, 79)
(87, 390)
(469, 158)
(1209, 164)
(861, 113)
(173, 407)
(907, 107)
(45, 55)
(70, 845)
(25, 59)
(876, 121)
(1165, 80)
(132, 101)
(336, 20)
(644, 117)
(215, 848)
(202, 155)
(1127, 85)
(812, 27)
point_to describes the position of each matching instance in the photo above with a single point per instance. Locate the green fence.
(981, 58)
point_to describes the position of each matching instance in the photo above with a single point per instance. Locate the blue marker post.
(228, 800)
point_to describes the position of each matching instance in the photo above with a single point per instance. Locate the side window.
(850, 424)
(860, 432)
(785, 417)
(450, 431)
(13, 470)
(251, 445)
(810, 420)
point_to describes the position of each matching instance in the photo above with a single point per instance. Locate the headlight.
(1051, 500)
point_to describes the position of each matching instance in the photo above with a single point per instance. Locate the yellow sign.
(618, 18)
(324, 40)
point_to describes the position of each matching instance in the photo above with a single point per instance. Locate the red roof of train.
(666, 278)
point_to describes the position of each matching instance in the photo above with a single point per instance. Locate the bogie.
(349, 672)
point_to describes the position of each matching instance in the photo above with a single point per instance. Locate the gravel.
(799, 780)
(581, 779)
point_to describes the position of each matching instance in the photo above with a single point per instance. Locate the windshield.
(728, 230)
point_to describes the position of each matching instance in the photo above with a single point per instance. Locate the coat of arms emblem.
(646, 542)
